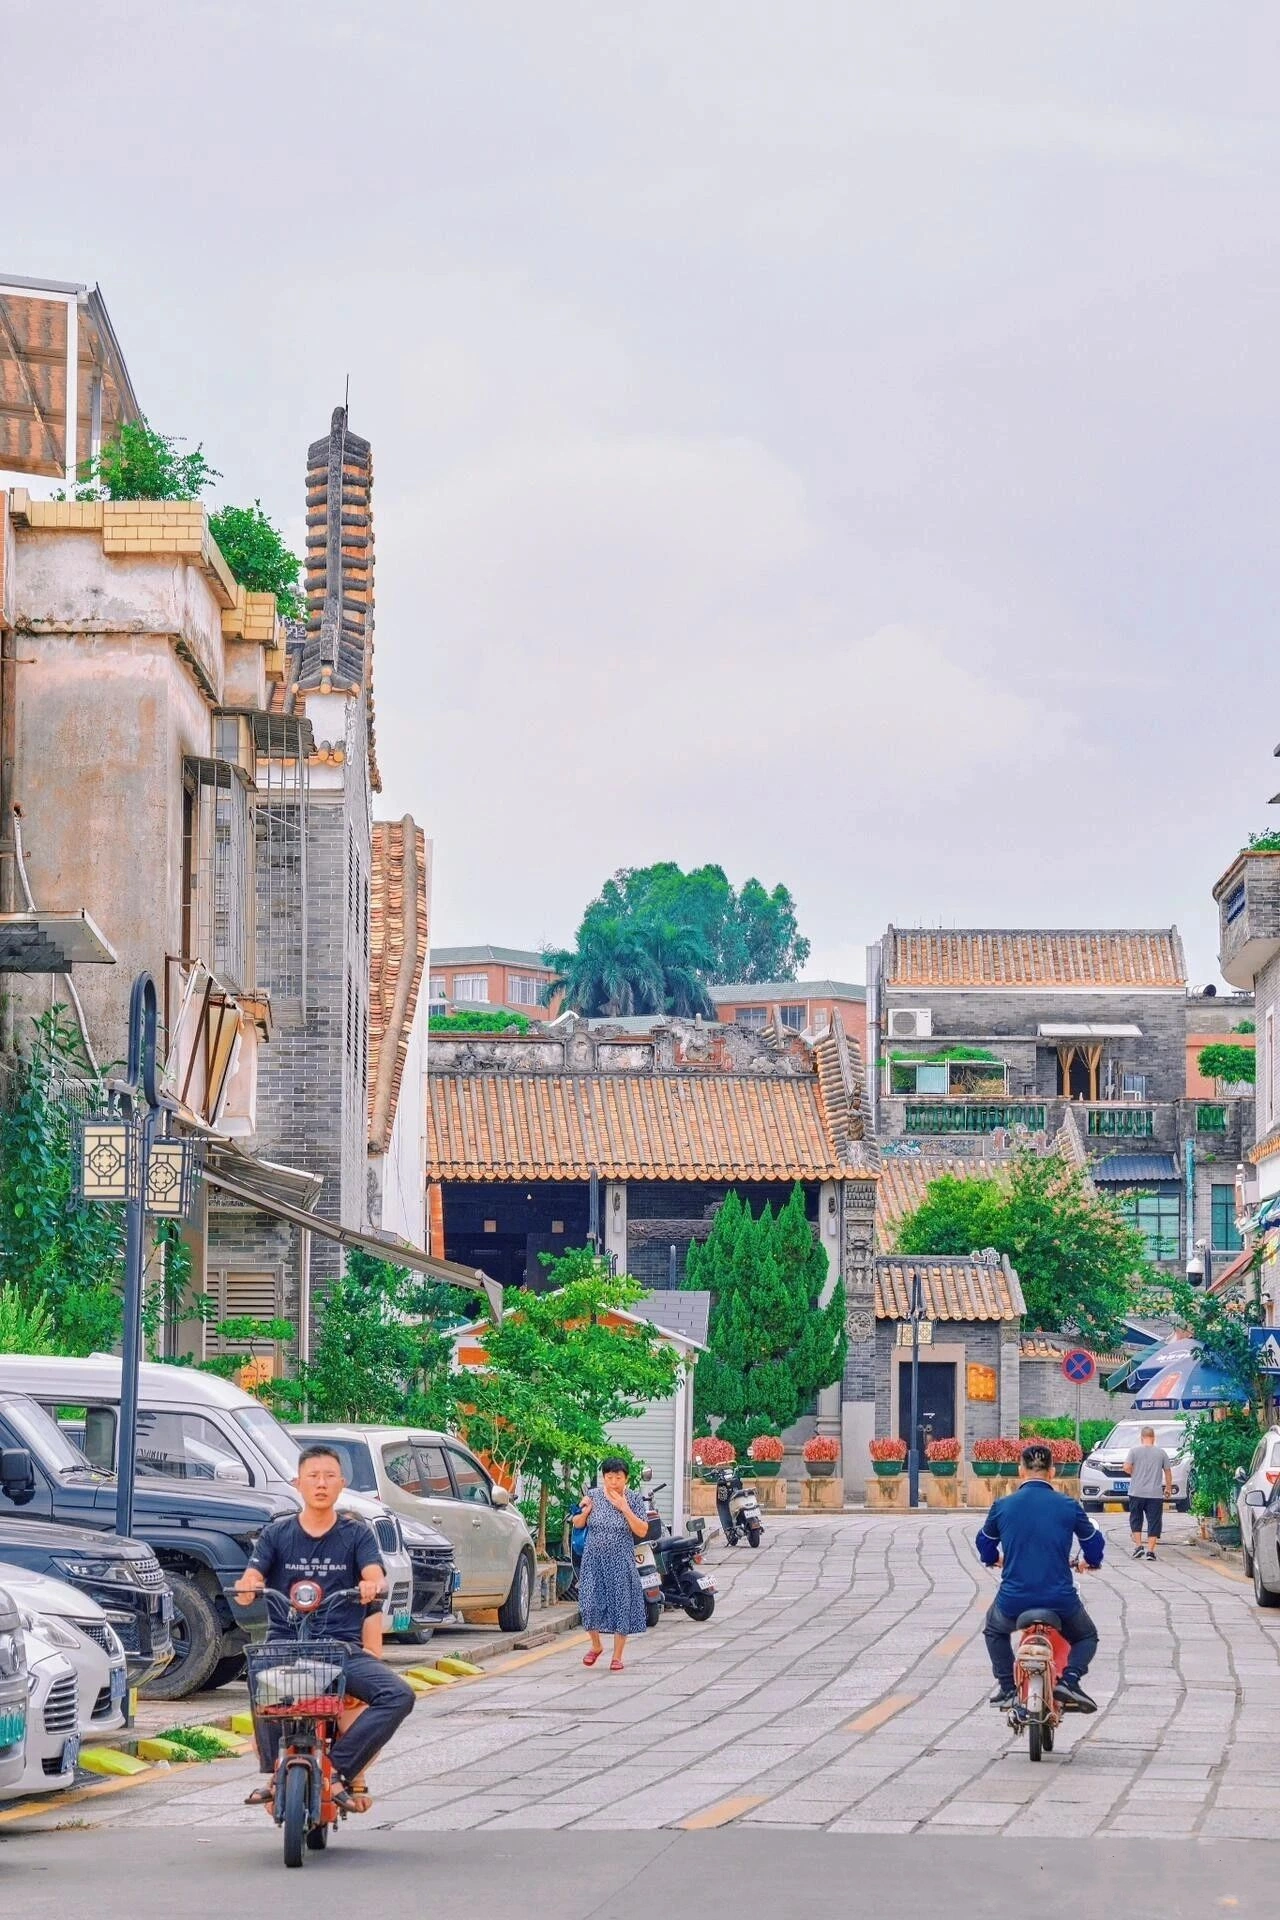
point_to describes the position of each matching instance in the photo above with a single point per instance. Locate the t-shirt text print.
(286, 1552)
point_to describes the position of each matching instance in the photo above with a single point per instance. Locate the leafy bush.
(712, 1454)
(1264, 843)
(469, 1022)
(822, 1446)
(766, 1446)
(1238, 1066)
(1062, 1452)
(200, 1745)
(888, 1447)
(940, 1450)
(990, 1448)
(255, 551)
(140, 464)
(1092, 1432)
(1244, 1026)
(26, 1326)
(1218, 1448)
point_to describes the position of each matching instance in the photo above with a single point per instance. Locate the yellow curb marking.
(1226, 1573)
(876, 1716)
(33, 1808)
(722, 1813)
(537, 1653)
(947, 1649)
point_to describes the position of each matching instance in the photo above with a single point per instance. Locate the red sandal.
(589, 1659)
(616, 1666)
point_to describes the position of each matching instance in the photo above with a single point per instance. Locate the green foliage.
(1092, 1432)
(1264, 842)
(379, 1353)
(1219, 1333)
(558, 1373)
(1078, 1260)
(141, 464)
(1219, 1447)
(1244, 1026)
(945, 1053)
(254, 549)
(657, 937)
(69, 1256)
(771, 1346)
(476, 1022)
(1236, 1065)
(199, 1744)
(25, 1326)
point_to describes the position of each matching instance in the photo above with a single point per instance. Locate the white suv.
(1104, 1475)
(1263, 1472)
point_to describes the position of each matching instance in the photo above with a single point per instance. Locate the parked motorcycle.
(737, 1510)
(650, 1576)
(678, 1557)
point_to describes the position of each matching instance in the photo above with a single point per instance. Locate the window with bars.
(1226, 1236)
(1157, 1216)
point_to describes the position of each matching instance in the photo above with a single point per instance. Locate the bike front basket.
(297, 1679)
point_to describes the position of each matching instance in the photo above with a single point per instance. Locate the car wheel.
(1247, 1559)
(229, 1668)
(1261, 1592)
(513, 1614)
(416, 1636)
(197, 1643)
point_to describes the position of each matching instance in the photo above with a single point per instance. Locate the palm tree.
(609, 972)
(682, 959)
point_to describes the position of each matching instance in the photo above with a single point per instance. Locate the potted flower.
(942, 1456)
(987, 1458)
(820, 1455)
(887, 1456)
(765, 1454)
(710, 1454)
(1066, 1456)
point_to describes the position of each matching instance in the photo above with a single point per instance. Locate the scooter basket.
(297, 1679)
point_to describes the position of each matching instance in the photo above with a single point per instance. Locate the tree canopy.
(656, 938)
(1078, 1259)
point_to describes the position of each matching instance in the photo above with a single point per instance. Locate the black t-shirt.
(287, 1552)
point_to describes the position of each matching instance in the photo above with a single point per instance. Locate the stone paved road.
(841, 1685)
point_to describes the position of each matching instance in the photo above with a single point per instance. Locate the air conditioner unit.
(910, 1023)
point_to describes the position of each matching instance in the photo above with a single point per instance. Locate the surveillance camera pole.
(913, 1452)
(143, 1017)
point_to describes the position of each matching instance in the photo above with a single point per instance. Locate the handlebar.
(283, 1601)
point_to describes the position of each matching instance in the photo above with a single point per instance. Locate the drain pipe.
(72, 994)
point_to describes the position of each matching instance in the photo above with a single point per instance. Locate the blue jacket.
(1036, 1529)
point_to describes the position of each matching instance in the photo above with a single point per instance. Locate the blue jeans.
(1077, 1630)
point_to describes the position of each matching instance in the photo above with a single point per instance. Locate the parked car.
(1103, 1475)
(202, 1537)
(14, 1692)
(434, 1479)
(198, 1429)
(1263, 1507)
(51, 1750)
(122, 1578)
(435, 1580)
(1262, 1474)
(80, 1630)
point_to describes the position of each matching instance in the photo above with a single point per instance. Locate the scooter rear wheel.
(652, 1613)
(702, 1608)
(755, 1535)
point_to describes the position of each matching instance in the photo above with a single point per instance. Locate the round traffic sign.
(1079, 1365)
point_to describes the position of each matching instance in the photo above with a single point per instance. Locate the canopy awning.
(244, 1184)
(51, 943)
(1077, 1030)
(64, 386)
(1131, 1169)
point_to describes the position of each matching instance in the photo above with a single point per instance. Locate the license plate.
(166, 1606)
(401, 1622)
(751, 1508)
(119, 1686)
(457, 1579)
(707, 1586)
(1119, 1486)
(13, 1725)
(70, 1754)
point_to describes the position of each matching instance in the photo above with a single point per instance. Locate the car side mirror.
(1241, 1476)
(1255, 1497)
(17, 1475)
(500, 1496)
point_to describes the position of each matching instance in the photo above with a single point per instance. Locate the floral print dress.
(610, 1597)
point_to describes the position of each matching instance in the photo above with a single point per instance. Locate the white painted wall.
(401, 1170)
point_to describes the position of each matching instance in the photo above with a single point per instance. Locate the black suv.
(201, 1535)
(123, 1576)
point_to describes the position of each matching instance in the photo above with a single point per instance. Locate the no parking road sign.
(1079, 1366)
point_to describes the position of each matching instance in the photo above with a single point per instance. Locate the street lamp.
(913, 1453)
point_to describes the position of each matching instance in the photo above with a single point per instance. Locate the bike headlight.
(116, 1573)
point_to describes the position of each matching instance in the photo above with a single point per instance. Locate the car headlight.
(115, 1645)
(50, 1628)
(116, 1573)
(13, 1655)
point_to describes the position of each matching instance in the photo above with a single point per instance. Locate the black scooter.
(679, 1557)
(737, 1510)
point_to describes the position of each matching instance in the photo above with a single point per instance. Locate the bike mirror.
(305, 1596)
(647, 1475)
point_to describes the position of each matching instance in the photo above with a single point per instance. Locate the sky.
(833, 440)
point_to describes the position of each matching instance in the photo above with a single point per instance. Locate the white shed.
(661, 1433)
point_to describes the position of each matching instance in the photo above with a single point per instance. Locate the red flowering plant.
(710, 1454)
(1065, 1453)
(990, 1449)
(823, 1446)
(766, 1446)
(942, 1450)
(887, 1449)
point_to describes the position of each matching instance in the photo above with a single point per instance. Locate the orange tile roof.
(1269, 1144)
(1048, 1346)
(998, 957)
(515, 1126)
(397, 952)
(904, 1179)
(953, 1289)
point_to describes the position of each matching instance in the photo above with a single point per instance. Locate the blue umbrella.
(1171, 1353)
(1186, 1385)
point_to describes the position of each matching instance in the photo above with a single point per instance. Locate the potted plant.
(1010, 1457)
(1220, 1443)
(765, 1454)
(710, 1454)
(887, 1456)
(1066, 1455)
(986, 1458)
(942, 1457)
(820, 1456)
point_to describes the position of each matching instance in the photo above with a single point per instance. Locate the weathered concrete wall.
(397, 1196)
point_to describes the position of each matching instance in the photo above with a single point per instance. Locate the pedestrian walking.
(1150, 1472)
(610, 1597)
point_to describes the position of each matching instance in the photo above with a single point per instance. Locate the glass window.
(439, 988)
(471, 986)
(273, 1440)
(754, 1017)
(353, 1457)
(523, 990)
(186, 1446)
(401, 1463)
(471, 1479)
(794, 1018)
(1157, 1217)
(931, 1079)
(435, 1473)
(1226, 1235)
(42, 1435)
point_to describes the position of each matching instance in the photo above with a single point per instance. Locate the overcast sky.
(837, 440)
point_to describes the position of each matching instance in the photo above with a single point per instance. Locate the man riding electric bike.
(1036, 1529)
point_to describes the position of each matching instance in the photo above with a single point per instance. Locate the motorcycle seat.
(1038, 1617)
(679, 1543)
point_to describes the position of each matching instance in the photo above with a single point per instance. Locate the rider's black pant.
(388, 1701)
(1077, 1630)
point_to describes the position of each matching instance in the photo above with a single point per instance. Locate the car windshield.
(1121, 1439)
(357, 1467)
(44, 1437)
(271, 1439)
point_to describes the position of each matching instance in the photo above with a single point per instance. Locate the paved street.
(841, 1686)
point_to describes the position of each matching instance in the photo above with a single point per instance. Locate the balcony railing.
(956, 1117)
(1122, 1123)
(1211, 1119)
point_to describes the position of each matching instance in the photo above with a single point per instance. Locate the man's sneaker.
(1004, 1697)
(1138, 1552)
(1071, 1695)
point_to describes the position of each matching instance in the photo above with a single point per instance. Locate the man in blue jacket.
(1035, 1529)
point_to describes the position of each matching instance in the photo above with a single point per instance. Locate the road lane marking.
(722, 1813)
(876, 1716)
(949, 1648)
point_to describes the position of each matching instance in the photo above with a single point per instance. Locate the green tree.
(610, 971)
(138, 463)
(771, 1345)
(25, 1326)
(1226, 1061)
(558, 1372)
(381, 1351)
(1078, 1260)
(254, 549)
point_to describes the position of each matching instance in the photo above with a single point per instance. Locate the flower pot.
(944, 1469)
(1227, 1533)
(820, 1469)
(985, 1469)
(1066, 1469)
(762, 1469)
(1009, 1469)
(886, 1469)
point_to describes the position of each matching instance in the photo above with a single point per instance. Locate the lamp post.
(913, 1452)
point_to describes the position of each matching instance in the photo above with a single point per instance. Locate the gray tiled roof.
(749, 991)
(684, 1313)
(485, 956)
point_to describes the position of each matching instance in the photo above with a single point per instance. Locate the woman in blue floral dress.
(610, 1596)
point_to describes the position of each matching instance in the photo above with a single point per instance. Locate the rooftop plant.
(1227, 1061)
(476, 1022)
(1264, 842)
(140, 464)
(254, 549)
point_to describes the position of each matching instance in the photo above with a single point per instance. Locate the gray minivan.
(13, 1694)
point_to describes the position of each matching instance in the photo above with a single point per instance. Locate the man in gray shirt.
(1150, 1485)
